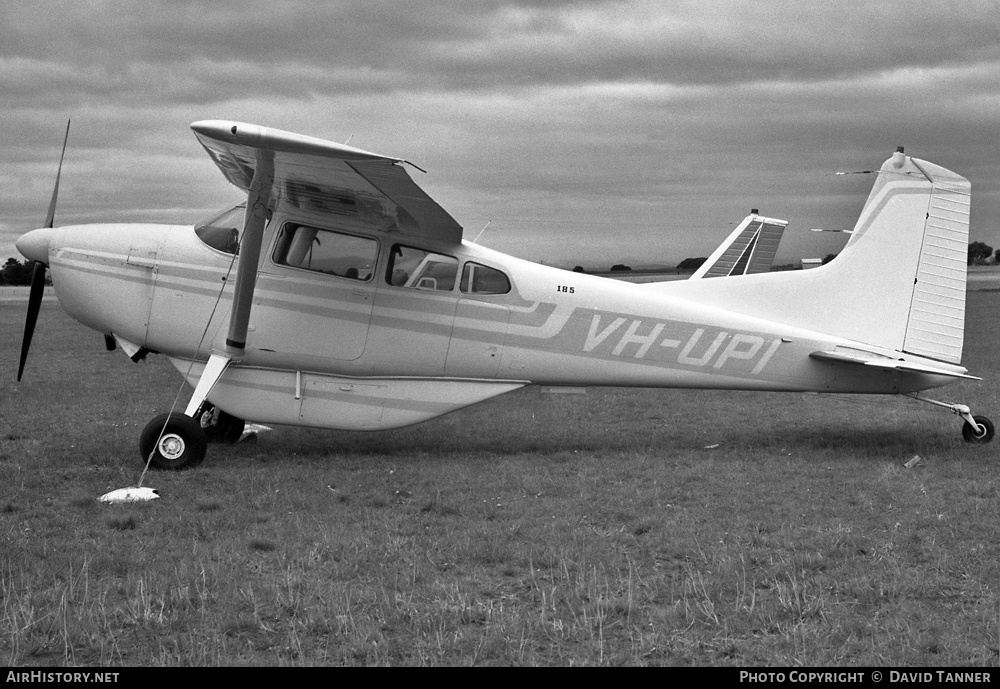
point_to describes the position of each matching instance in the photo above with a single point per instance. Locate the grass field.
(531, 529)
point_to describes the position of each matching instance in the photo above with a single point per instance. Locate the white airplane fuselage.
(325, 350)
(340, 295)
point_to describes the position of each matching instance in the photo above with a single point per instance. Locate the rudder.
(936, 326)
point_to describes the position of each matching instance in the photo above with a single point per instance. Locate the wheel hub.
(171, 446)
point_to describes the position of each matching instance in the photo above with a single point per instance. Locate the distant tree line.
(979, 253)
(689, 265)
(16, 273)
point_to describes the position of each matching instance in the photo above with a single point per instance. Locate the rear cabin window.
(222, 230)
(421, 269)
(480, 279)
(325, 251)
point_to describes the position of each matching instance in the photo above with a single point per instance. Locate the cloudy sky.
(585, 132)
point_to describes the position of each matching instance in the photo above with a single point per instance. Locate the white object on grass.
(129, 495)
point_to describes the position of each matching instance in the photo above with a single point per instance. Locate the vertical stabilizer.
(898, 284)
(912, 238)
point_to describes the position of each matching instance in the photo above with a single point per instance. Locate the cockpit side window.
(325, 251)
(222, 230)
(480, 279)
(421, 269)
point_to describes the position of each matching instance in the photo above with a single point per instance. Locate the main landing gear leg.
(976, 429)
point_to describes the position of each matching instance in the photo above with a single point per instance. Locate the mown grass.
(531, 529)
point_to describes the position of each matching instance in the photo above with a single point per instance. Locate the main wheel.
(174, 440)
(219, 426)
(984, 436)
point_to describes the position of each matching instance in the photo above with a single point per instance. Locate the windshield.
(222, 231)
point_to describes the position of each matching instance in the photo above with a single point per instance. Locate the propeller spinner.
(35, 246)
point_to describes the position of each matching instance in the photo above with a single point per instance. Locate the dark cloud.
(645, 115)
(198, 51)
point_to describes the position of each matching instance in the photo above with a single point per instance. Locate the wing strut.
(258, 200)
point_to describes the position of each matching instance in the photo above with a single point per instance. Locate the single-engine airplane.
(340, 295)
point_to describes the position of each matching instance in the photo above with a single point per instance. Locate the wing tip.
(279, 140)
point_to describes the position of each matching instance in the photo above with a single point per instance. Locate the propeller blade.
(38, 273)
(34, 304)
(50, 216)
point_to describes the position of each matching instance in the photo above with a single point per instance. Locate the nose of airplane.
(35, 244)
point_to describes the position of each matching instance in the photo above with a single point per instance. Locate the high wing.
(325, 176)
(749, 249)
(276, 167)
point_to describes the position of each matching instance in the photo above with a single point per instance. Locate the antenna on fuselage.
(481, 231)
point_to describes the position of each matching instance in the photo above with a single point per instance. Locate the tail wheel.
(983, 435)
(174, 440)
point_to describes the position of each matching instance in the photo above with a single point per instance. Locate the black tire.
(182, 444)
(220, 427)
(969, 433)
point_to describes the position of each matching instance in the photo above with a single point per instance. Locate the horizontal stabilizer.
(883, 362)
